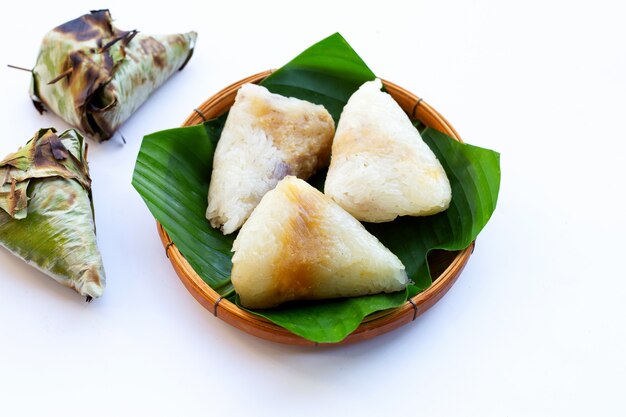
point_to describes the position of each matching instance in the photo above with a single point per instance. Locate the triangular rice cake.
(380, 166)
(46, 212)
(266, 137)
(299, 245)
(94, 75)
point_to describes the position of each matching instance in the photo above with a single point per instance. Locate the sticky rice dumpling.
(380, 167)
(94, 75)
(266, 137)
(46, 211)
(299, 245)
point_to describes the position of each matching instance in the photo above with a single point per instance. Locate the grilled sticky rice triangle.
(46, 211)
(94, 75)
(266, 137)
(380, 167)
(299, 245)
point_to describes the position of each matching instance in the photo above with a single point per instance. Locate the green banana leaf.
(173, 172)
(327, 73)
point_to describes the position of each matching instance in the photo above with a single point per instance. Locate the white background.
(536, 324)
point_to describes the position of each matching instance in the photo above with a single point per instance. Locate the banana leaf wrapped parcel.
(94, 75)
(46, 210)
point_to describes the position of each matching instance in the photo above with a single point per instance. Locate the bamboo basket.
(445, 266)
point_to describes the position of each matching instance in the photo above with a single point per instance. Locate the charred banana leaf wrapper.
(94, 75)
(46, 210)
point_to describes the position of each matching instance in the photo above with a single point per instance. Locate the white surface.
(536, 325)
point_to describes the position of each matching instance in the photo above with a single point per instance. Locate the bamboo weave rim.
(373, 325)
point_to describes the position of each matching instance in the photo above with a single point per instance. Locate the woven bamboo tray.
(445, 266)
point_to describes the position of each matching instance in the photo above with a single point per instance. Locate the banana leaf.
(46, 210)
(94, 75)
(173, 171)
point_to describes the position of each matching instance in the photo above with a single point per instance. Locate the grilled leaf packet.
(94, 75)
(46, 210)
